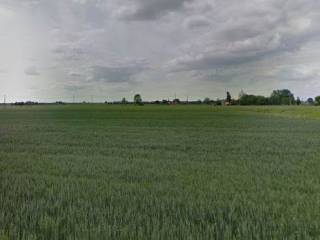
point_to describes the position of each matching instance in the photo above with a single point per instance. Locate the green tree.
(241, 94)
(165, 101)
(298, 101)
(253, 100)
(207, 100)
(282, 97)
(137, 99)
(176, 101)
(317, 100)
(124, 101)
(229, 98)
(218, 102)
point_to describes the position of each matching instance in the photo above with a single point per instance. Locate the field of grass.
(159, 172)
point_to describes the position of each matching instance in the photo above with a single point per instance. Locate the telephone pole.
(4, 99)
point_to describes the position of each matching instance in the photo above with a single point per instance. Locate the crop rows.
(159, 172)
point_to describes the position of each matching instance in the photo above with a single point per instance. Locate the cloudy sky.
(109, 49)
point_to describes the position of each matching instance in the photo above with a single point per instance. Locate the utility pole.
(4, 99)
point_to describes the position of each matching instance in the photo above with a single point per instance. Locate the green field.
(159, 172)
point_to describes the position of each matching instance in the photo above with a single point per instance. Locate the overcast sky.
(109, 49)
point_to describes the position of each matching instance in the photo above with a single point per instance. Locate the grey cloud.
(225, 55)
(117, 73)
(109, 74)
(197, 22)
(32, 71)
(75, 74)
(75, 87)
(3, 70)
(142, 10)
(246, 36)
(80, 1)
(289, 75)
(68, 52)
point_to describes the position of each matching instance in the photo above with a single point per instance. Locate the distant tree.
(124, 101)
(298, 101)
(310, 101)
(235, 102)
(241, 94)
(317, 100)
(229, 98)
(247, 99)
(282, 97)
(176, 101)
(137, 99)
(207, 100)
(253, 100)
(218, 102)
(261, 100)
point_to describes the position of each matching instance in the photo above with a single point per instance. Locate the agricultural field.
(159, 172)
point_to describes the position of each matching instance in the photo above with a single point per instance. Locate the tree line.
(277, 97)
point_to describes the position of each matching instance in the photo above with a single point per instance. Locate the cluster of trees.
(277, 97)
(25, 103)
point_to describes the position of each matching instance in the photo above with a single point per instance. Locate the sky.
(103, 50)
